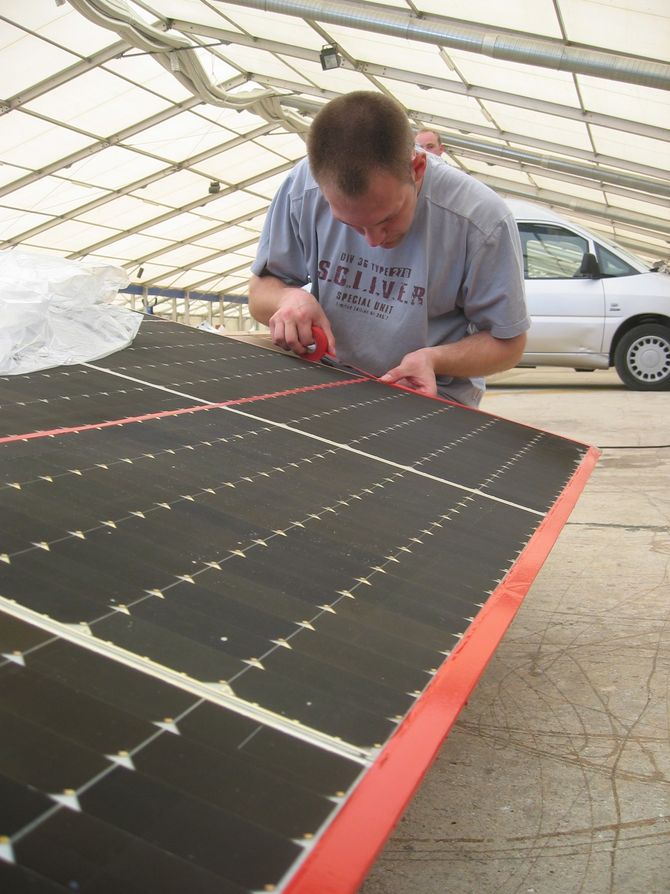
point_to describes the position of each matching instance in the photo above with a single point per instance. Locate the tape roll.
(320, 347)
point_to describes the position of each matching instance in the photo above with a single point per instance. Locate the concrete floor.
(556, 778)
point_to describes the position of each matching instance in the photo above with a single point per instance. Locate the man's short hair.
(356, 134)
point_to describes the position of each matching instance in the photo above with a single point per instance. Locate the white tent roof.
(153, 134)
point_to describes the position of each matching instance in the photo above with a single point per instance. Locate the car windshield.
(624, 253)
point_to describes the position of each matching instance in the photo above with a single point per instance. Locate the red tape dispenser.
(320, 347)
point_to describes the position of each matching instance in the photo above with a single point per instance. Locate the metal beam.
(313, 99)
(203, 234)
(61, 77)
(180, 294)
(186, 164)
(197, 203)
(549, 164)
(226, 273)
(538, 171)
(430, 82)
(641, 223)
(231, 249)
(115, 139)
(512, 46)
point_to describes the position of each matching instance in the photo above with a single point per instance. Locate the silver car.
(592, 304)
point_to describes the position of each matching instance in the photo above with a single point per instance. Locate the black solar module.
(232, 585)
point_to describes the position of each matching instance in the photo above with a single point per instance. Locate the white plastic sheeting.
(54, 312)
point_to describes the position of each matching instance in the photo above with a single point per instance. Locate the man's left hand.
(414, 371)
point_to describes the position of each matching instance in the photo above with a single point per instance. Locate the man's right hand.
(291, 324)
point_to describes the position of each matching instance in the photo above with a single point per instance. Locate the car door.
(567, 309)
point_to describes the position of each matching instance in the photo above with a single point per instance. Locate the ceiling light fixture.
(329, 57)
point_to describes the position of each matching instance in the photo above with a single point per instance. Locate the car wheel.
(642, 358)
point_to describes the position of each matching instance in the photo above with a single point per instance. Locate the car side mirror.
(589, 268)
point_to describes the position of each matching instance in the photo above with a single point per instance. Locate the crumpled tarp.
(54, 311)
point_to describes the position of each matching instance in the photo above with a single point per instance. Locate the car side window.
(611, 264)
(551, 252)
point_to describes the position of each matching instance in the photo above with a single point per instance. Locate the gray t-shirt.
(458, 270)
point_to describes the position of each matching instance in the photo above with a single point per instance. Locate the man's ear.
(419, 162)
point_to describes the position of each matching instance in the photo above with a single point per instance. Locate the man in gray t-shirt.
(414, 268)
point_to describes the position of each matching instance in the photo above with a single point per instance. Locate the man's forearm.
(265, 294)
(480, 354)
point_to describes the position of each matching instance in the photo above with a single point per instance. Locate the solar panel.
(242, 600)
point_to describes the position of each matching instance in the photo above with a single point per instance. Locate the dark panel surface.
(75, 395)
(209, 800)
(212, 619)
(211, 367)
(166, 368)
(217, 568)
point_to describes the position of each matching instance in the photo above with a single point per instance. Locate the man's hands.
(414, 371)
(291, 324)
(289, 311)
(480, 354)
